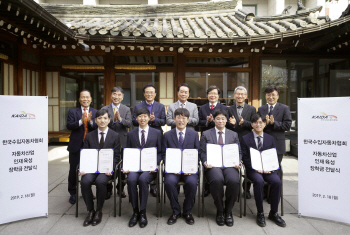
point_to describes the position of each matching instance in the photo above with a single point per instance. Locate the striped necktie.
(143, 141)
(259, 143)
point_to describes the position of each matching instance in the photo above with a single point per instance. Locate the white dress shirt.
(178, 133)
(256, 138)
(104, 135)
(146, 133)
(87, 111)
(217, 135)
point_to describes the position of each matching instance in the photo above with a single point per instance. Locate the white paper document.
(131, 159)
(223, 155)
(190, 161)
(266, 160)
(88, 160)
(149, 159)
(173, 158)
(105, 160)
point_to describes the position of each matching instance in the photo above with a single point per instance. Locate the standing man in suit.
(157, 117)
(120, 123)
(240, 115)
(142, 137)
(262, 141)
(80, 121)
(183, 92)
(180, 137)
(102, 138)
(278, 119)
(219, 177)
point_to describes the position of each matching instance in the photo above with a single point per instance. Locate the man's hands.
(233, 120)
(269, 119)
(117, 116)
(152, 117)
(210, 118)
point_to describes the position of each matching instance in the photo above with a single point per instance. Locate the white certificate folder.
(139, 160)
(223, 155)
(96, 160)
(264, 161)
(181, 161)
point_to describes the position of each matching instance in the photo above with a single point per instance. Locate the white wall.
(261, 6)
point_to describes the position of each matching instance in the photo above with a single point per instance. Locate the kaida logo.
(24, 115)
(325, 117)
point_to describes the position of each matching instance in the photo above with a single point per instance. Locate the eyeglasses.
(271, 95)
(212, 93)
(240, 94)
(149, 92)
(258, 123)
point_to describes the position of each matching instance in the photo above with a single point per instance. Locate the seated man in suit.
(261, 141)
(219, 177)
(101, 138)
(157, 117)
(142, 137)
(120, 123)
(182, 138)
(240, 115)
(80, 121)
(183, 92)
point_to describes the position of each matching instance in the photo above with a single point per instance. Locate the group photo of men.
(116, 127)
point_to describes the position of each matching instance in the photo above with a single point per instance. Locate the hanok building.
(57, 50)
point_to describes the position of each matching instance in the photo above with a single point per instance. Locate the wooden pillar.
(255, 80)
(180, 72)
(19, 69)
(42, 74)
(109, 77)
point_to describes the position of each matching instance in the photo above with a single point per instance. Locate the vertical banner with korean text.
(24, 157)
(324, 160)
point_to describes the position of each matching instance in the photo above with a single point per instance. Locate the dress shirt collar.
(217, 131)
(113, 106)
(149, 103)
(105, 132)
(82, 109)
(256, 135)
(213, 104)
(146, 130)
(273, 106)
(178, 131)
(239, 106)
(184, 104)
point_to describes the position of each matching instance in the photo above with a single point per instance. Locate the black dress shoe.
(153, 192)
(206, 193)
(220, 220)
(229, 220)
(122, 194)
(143, 220)
(260, 219)
(248, 195)
(97, 218)
(72, 199)
(172, 219)
(189, 219)
(108, 195)
(134, 219)
(89, 218)
(277, 219)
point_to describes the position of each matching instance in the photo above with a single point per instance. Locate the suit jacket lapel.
(275, 110)
(207, 109)
(149, 136)
(80, 112)
(264, 143)
(235, 114)
(107, 138)
(213, 135)
(245, 110)
(252, 141)
(227, 136)
(136, 138)
(95, 138)
(174, 136)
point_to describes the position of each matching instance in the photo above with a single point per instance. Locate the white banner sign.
(324, 158)
(24, 154)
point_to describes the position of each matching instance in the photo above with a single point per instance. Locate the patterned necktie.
(259, 143)
(271, 109)
(211, 106)
(115, 110)
(143, 142)
(181, 140)
(85, 123)
(220, 141)
(102, 140)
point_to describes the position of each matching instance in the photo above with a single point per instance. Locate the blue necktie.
(181, 140)
(271, 109)
(259, 143)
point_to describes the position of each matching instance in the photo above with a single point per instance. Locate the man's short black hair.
(102, 112)
(117, 88)
(182, 112)
(213, 88)
(272, 88)
(256, 117)
(85, 90)
(218, 112)
(149, 85)
(184, 84)
(142, 110)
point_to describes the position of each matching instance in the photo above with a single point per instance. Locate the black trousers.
(74, 159)
(142, 179)
(258, 185)
(218, 178)
(101, 189)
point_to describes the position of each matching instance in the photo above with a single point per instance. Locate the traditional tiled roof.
(212, 20)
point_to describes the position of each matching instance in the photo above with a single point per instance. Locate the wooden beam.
(109, 78)
(254, 81)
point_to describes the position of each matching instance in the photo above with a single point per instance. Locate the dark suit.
(112, 141)
(257, 178)
(191, 141)
(283, 121)
(154, 139)
(218, 177)
(159, 112)
(205, 111)
(76, 142)
(247, 113)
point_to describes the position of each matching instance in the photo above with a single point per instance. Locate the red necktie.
(85, 124)
(211, 106)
